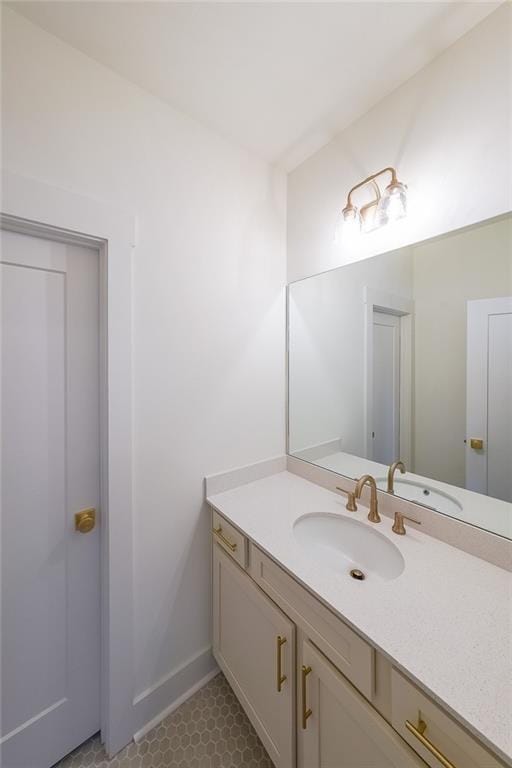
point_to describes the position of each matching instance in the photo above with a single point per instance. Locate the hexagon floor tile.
(210, 730)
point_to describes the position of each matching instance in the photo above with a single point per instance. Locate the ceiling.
(278, 78)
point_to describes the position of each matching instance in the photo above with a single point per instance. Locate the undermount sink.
(343, 544)
(423, 494)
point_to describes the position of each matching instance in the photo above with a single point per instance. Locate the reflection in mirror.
(408, 356)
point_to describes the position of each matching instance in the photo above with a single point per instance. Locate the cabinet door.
(254, 644)
(337, 726)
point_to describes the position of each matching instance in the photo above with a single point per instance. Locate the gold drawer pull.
(306, 712)
(418, 731)
(229, 544)
(280, 641)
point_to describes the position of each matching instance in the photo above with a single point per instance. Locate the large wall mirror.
(408, 355)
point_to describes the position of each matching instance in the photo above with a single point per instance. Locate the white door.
(50, 471)
(254, 644)
(386, 388)
(338, 728)
(489, 397)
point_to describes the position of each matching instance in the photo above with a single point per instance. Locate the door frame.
(31, 207)
(376, 300)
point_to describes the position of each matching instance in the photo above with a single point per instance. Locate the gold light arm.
(373, 202)
(369, 179)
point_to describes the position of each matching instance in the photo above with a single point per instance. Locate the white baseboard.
(157, 702)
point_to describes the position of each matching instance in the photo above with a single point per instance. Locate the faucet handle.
(351, 499)
(398, 524)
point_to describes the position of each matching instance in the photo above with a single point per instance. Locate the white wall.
(448, 131)
(208, 301)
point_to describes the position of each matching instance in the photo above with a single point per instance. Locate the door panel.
(386, 388)
(50, 470)
(499, 408)
(343, 730)
(34, 499)
(246, 626)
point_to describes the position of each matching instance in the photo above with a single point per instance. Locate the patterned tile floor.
(210, 730)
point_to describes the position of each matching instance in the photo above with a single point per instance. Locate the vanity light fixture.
(384, 208)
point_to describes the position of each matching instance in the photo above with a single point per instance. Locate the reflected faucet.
(373, 514)
(391, 473)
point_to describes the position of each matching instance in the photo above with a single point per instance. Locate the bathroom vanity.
(350, 644)
(410, 666)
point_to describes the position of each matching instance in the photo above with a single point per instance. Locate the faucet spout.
(391, 474)
(373, 514)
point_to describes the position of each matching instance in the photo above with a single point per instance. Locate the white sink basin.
(342, 543)
(423, 494)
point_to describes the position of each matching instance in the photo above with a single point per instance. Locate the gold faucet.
(391, 473)
(373, 514)
(398, 525)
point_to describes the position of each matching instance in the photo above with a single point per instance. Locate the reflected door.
(50, 470)
(386, 388)
(489, 398)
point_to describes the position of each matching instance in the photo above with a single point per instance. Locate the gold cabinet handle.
(306, 712)
(280, 641)
(229, 544)
(419, 732)
(85, 520)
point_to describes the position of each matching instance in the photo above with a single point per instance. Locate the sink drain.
(357, 574)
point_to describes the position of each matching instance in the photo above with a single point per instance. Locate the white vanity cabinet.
(254, 644)
(318, 694)
(337, 726)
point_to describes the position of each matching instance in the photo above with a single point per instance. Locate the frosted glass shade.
(351, 223)
(393, 204)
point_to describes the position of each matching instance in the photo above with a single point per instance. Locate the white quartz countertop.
(446, 620)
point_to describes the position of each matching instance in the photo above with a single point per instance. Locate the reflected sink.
(423, 494)
(342, 543)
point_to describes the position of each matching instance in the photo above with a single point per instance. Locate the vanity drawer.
(230, 539)
(342, 646)
(438, 738)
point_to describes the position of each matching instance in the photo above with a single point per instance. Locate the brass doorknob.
(477, 443)
(85, 520)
